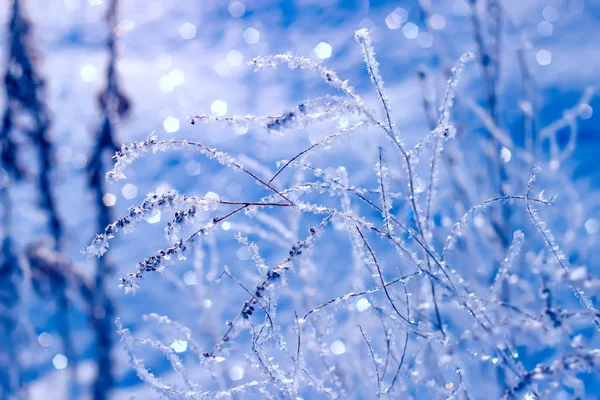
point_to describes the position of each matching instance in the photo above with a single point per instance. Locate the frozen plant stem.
(364, 38)
(27, 115)
(274, 275)
(555, 250)
(114, 106)
(374, 359)
(383, 285)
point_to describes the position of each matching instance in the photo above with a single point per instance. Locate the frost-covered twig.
(129, 153)
(350, 295)
(444, 128)
(381, 170)
(274, 275)
(554, 248)
(153, 203)
(446, 131)
(259, 261)
(374, 359)
(508, 262)
(321, 143)
(580, 360)
(460, 224)
(568, 119)
(363, 37)
(308, 112)
(144, 374)
(400, 364)
(406, 318)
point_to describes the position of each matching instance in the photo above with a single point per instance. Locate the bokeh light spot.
(171, 124)
(89, 73)
(323, 50)
(234, 58)
(543, 57)
(410, 30)
(251, 36)
(60, 361)
(437, 21)
(187, 31)
(237, 9)
(109, 199)
(219, 108)
(338, 347)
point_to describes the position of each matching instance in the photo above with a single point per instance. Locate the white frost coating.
(162, 258)
(444, 129)
(193, 214)
(513, 252)
(255, 254)
(363, 37)
(170, 392)
(131, 152)
(153, 203)
(310, 111)
(479, 208)
(382, 172)
(293, 62)
(441, 132)
(556, 251)
(328, 75)
(452, 83)
(143, 373)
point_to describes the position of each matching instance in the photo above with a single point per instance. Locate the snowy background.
(182, 58)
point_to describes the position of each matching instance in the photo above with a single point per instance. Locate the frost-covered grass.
(431, 279)
(330, 235)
